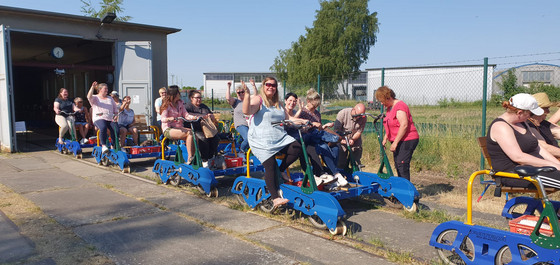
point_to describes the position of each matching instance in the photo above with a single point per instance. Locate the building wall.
(548, 74)
(217, 82)
(427, 86)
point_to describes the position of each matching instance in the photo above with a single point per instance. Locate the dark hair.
(291, 94)
(60, 91)
(192, 92)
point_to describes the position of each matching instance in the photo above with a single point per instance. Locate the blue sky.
(245, 35)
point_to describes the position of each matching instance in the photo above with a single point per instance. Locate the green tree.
(335, 47)
(106, 6)
(509, 84)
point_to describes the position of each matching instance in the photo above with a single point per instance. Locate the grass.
(432, 216)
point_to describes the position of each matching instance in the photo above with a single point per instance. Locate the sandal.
(279, 201)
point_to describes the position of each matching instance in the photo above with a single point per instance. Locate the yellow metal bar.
(248, 163)
(97, 137)
(163, 148)
(497, 174)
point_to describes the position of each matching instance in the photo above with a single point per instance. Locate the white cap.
(115, 93)
(525, 101)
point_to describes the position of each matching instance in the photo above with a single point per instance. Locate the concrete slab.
(312, 249)
(79, 168)
(130, 185)
(88, 205)
(28, 163)
(165, 238)
(395, 232)
(48, 179)
(216, 214)
(6, 168)
(13, 246)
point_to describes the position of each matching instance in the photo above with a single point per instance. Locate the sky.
(245, 35)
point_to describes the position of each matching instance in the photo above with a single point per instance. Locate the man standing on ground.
(354, 120)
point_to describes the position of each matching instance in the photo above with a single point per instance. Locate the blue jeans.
(329, 155)
(103, 125)
(243, 131)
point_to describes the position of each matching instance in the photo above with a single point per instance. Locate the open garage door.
(134, 69)
(7, 132)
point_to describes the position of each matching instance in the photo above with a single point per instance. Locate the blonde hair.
(313, 97)
(163, 89)
(274, 101)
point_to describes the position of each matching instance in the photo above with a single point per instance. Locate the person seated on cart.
(104, 113)
(323, 139)
(173, 129)
(291, 100)
(546, 132)
(239, 119)
(63, 103)
(126, 122)
(353, 120)
(511, 143)
(208, 146)
(267, 140)
(83, 119)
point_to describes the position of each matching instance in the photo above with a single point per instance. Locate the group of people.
(523, 136)
(108, 113)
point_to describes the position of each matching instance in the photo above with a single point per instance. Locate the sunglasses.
(240, 92)
(270, 85)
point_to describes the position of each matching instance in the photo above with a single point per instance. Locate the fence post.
(212, 100)
(382, 129)
(484, 93)
(284, 86)
(319, 90)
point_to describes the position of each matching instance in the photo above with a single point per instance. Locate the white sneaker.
(104, 149)
(205, 164)
(327, 178)
(340, 180)
(318, 180)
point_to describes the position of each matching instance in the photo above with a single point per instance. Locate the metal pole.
(212, 100)
(319, 89)
(484, 92)
(284, 86)
(382, 130)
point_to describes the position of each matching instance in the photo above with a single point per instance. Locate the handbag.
(208, 128)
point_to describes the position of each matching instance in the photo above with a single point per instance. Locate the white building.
(430, 84)
(216, 83)
(548, 74)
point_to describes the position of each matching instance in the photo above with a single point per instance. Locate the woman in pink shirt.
(400, 130)
(104, 113)
(172, 108)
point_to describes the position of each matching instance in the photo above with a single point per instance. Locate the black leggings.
(402, 157)
(293, 152)
(208, 146)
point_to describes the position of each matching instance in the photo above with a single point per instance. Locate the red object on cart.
(526, 224)
(135, 150)
(233, 161)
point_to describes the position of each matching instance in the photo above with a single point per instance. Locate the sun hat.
(543, 101)
(525, 101)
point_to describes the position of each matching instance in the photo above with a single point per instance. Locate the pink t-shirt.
(103, 109)
(392, 125)
(175, 112)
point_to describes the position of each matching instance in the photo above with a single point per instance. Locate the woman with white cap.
(511, 143)
(545, 131)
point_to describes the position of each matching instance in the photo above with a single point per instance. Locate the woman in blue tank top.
(265, 139)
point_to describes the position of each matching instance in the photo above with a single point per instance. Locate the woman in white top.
(104, 112)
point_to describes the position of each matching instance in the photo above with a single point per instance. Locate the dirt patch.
(52, 240)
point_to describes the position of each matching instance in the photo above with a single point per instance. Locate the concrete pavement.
(129, 221)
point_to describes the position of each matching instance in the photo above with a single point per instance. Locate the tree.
(508, 84)
(335, 47)
(113, 6)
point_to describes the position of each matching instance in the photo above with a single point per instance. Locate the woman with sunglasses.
(239, 119)
(208, 146)
(172, 108)
(83, 119)
(267, 140)
(104, 113)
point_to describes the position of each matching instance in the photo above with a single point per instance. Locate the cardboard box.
(526, 224)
